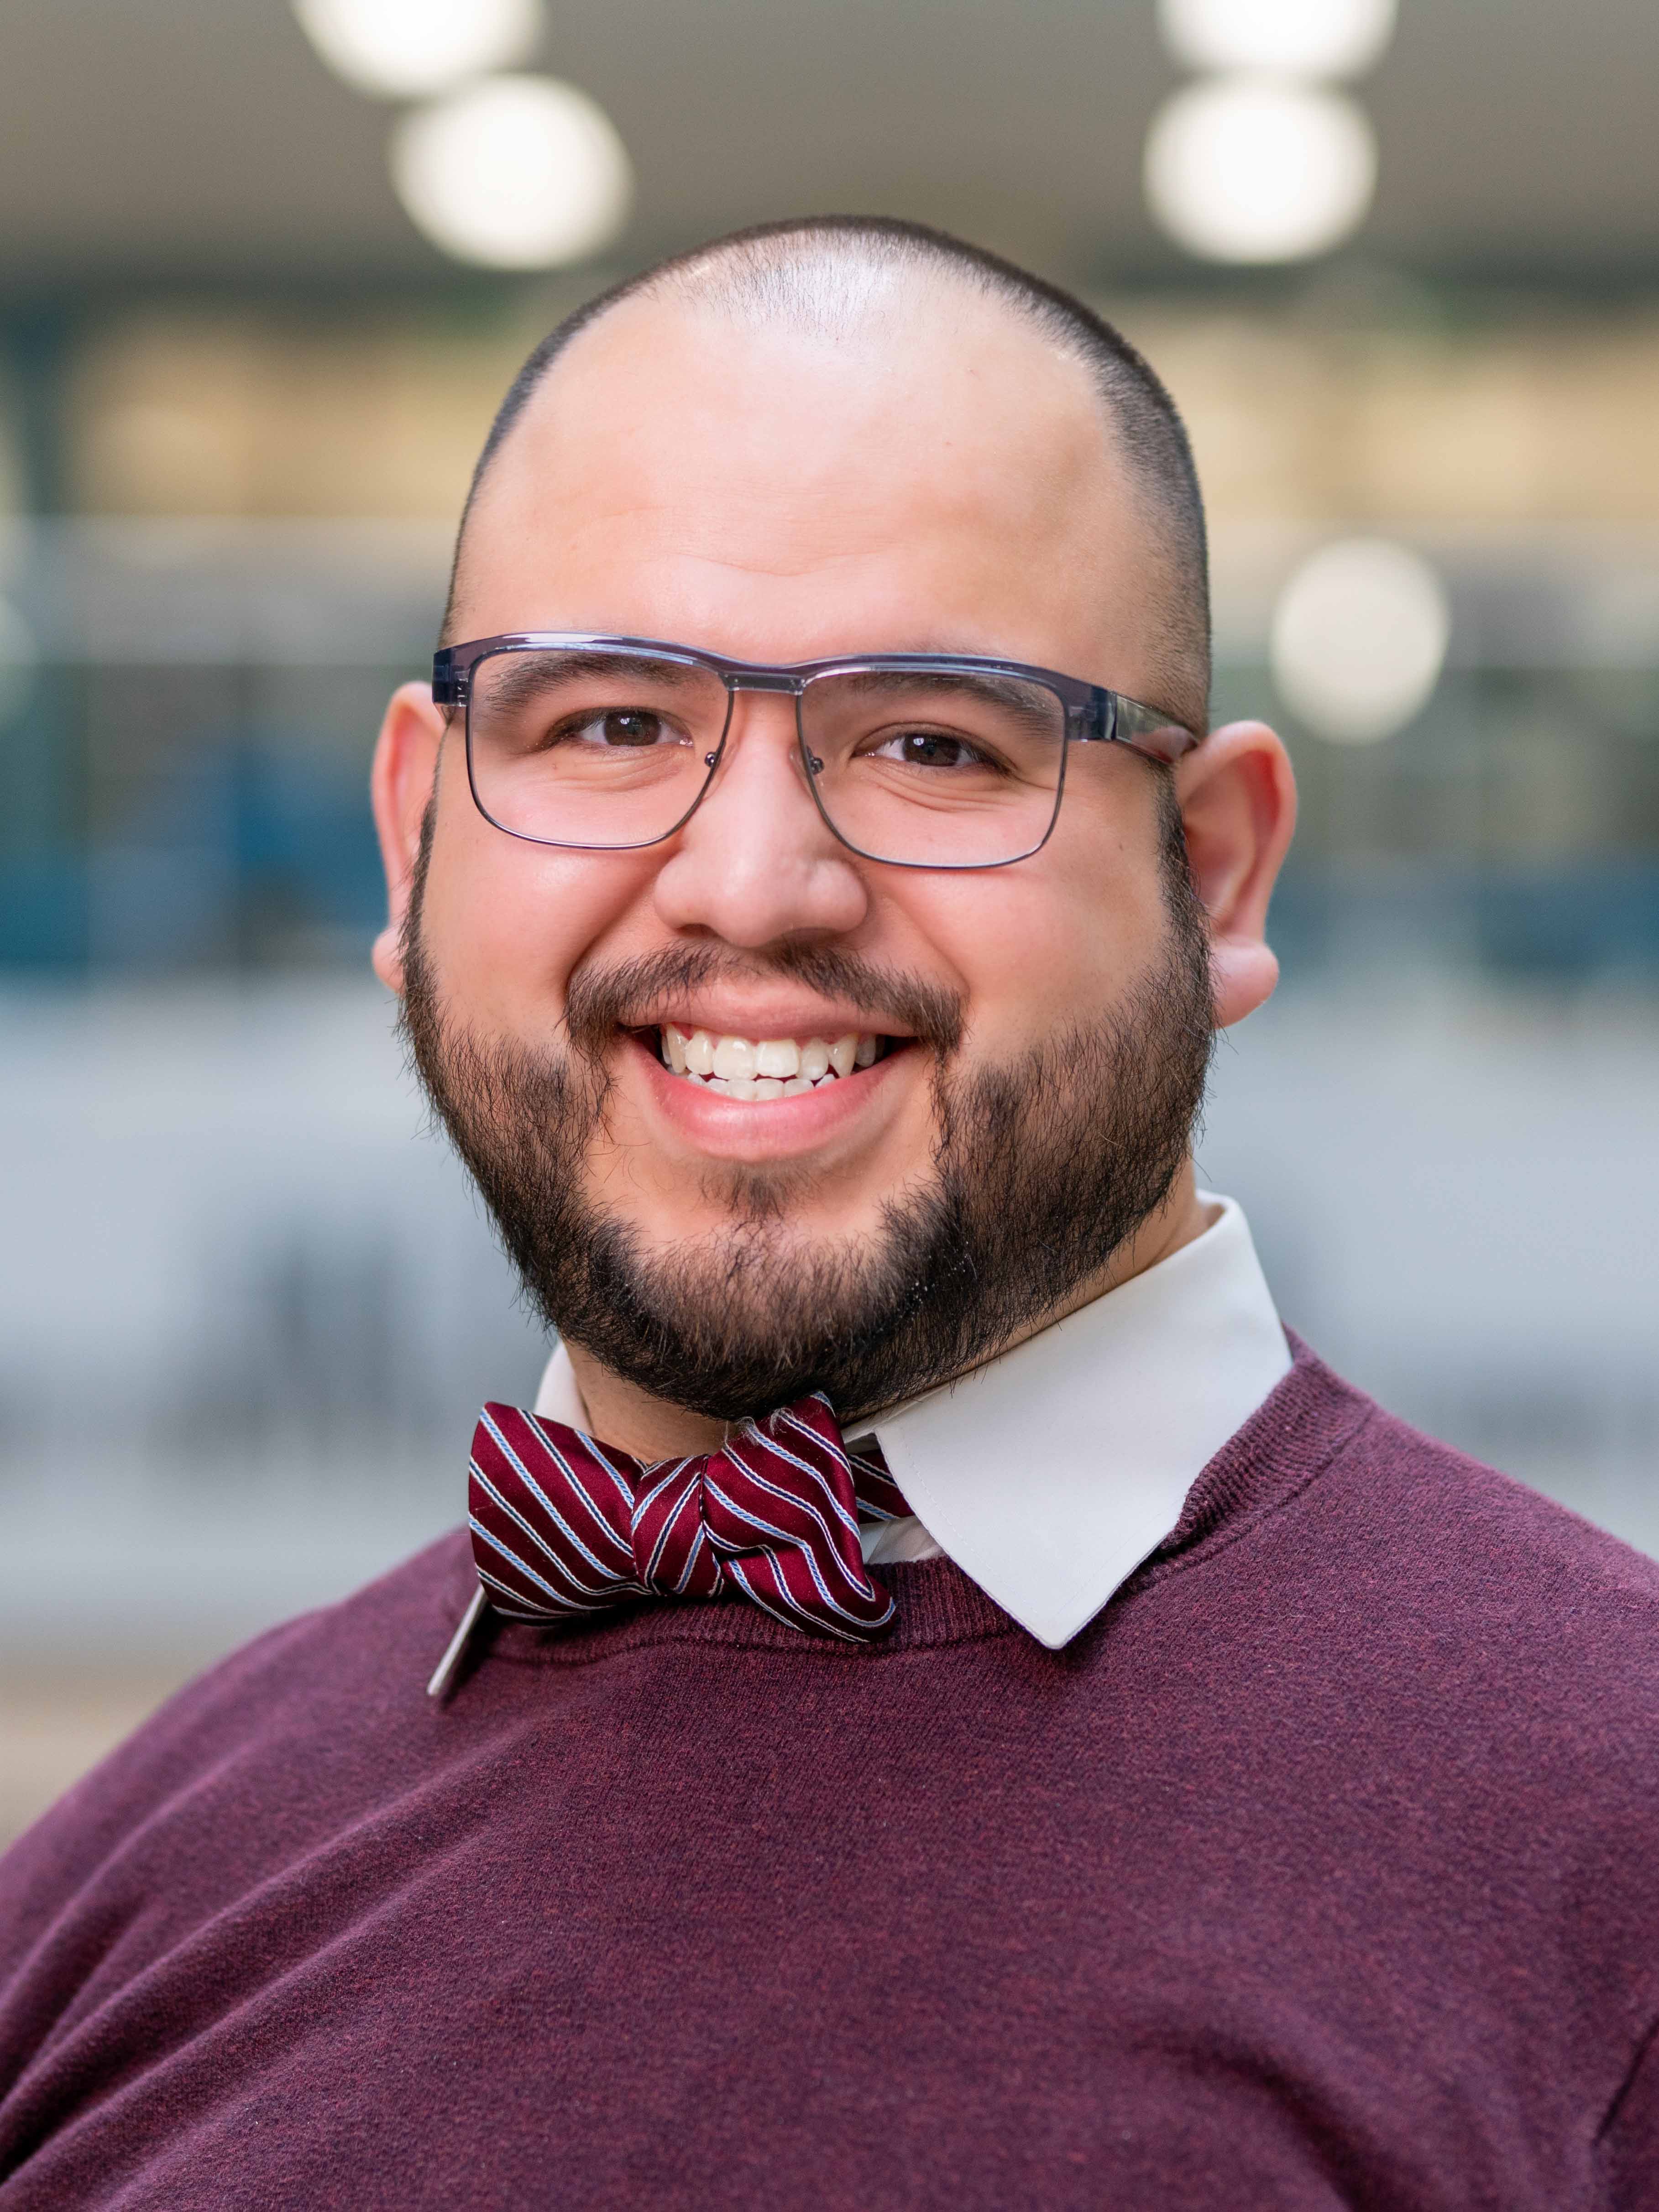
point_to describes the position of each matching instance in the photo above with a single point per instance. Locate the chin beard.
(1042, 1167)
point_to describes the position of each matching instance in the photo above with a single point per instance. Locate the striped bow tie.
(562, 1525)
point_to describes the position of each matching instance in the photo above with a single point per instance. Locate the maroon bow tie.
(562, 1525)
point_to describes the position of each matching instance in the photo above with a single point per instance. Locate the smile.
(760, 1069)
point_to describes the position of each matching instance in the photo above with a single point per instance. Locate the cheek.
(505, 922)
(1056, 939)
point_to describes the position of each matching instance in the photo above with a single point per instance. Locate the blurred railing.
(186, 758)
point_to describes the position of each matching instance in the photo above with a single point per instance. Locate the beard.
(1042, 1167)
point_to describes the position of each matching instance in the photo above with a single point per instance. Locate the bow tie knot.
(562, 1525)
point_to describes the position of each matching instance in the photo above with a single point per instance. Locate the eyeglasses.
(916, 760)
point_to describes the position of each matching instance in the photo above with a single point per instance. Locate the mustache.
(599, 1001)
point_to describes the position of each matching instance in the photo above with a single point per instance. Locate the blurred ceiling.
(201, 140)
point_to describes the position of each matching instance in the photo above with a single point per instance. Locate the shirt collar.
(1049, 1473)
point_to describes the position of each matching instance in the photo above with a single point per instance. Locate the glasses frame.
(1094, 715)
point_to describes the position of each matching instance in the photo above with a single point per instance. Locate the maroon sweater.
(1322, 1870)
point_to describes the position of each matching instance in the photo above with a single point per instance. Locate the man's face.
(944, 484)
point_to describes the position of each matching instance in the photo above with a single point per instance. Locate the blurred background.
(266, 271)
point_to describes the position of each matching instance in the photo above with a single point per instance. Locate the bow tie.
(562, 1525)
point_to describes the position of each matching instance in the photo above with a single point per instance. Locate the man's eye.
(620, 725)
(929, 748)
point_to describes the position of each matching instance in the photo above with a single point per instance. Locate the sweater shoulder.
(1452, 1554)
(1469, 1522)
(1346, 1508)
(316, 1686)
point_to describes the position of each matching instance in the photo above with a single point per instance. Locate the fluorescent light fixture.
(410, 49)
(516, 173)
(1251, 169)
(1282, 38)
(1359, 638)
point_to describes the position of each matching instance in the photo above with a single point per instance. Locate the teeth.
(734, 1057)
(761, 1068)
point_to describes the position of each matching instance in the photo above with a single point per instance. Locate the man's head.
(815, 441)
(841, 278)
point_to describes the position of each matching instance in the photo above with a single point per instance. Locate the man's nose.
(758, 861)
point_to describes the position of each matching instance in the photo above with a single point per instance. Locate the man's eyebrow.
(1029, 699)
(521, 675)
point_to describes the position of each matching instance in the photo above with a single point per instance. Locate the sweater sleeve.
(1630, 2140)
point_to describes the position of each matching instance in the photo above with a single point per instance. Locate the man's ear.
(1237, 797)
(401, 784)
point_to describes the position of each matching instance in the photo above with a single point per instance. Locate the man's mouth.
(760, 1069)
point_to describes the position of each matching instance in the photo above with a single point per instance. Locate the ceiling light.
(408, 49)
(1359, 639)
(516, 173)
(1285, 38)
(1249, 169)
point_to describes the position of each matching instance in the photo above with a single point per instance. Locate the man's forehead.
(933, 386)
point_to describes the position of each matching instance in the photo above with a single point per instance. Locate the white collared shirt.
(1050, 1473)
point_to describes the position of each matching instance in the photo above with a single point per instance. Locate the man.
(942, 1705)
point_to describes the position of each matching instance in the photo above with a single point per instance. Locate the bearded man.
(943, 1704)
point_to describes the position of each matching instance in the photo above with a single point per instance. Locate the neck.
(652, 1428)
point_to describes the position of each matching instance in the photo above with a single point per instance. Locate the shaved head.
(863, 281)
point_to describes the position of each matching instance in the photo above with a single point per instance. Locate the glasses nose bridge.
(770, 683)
(764, 679)
(774, 682)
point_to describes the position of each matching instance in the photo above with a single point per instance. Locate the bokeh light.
(516, 173)
(1321, 38)
(1359, 638)
(410, 49)
(1248, 169)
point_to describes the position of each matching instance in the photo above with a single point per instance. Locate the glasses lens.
(591, 747)
(937, 767)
